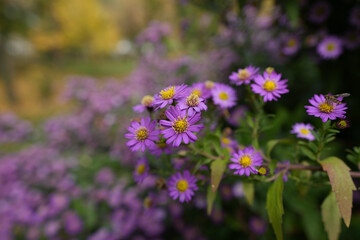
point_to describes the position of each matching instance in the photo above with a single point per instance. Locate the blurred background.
(71, 71)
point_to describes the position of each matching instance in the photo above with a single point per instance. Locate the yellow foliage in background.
(80, 25)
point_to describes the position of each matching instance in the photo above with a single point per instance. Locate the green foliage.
(210, 198)
(354, 156)
(217, 170)
(342, 185)
(274, 205)
(249, 191)
(331, 216)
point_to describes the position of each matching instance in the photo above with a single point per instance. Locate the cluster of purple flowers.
(12, 129)
(40, 195)
(269, 84)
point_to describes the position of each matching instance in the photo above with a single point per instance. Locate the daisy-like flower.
(146, 103)
(141, 170)
(161, 147)
(302, 130)
(243, 76)
(223, 95)
(330, 47)
(351, 39)
(291, 45)
(355, 16)
(180, 128)
(269, 85)
(245, 161)
(168, 95)
(343, 123)
(201, 90)
(142, 134)
(192, 104)
(182, 186)
(319, 12)
(325, 109)
(263, 171)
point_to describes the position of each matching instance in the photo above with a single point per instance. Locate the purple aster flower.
(245, 161)
(223, 95)
(330, 47)
(161, 147)
(141, 170)
(192, 104)
(343, 123)
(72, 222)
(243, 76)
(302, 130)
(168, 95)
(105, 176)
(269, 85)
(142, 134)
(146, 103)
(264, 171)
(257, 225)
(180, 127)
(325, 109)
(351, 39)
(182, 186)
(355, 16)
(291, 45)
(201, 90)
(319, 12)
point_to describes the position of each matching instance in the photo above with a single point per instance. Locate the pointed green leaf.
(342, 184)
(307, 152)
(249, 192)
(274, 205)
(217, 170)
(331, 216)
(210, 198)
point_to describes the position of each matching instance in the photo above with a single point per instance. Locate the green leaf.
(307, 152)
(272, 143)
(342, 184)
(249, 192)
(331, 216)
(210, 198)
(217, 170)
(274, 205)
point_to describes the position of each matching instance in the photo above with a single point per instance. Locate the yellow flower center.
(269, 70)
(182, 185)
(243, 74)
(330, 47)
(343, 123)
(147, 100)
(148, 203)
(269, 85)
(226, 140)
(192, 100)
(326, 108)
(262, 171)
(168, 93)
(180, 125)
(223, 96)
(142, 133)
(197, 92)
(161, 145)
(304, 131)
(245, 161)
(291, 43)
(141, 169)
(209, 84)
